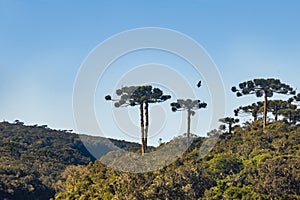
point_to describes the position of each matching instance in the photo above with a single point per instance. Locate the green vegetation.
(249, 164)
(263, 87)
(32, 158)
(229, 121)
(254, 160)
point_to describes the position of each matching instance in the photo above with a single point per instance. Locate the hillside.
(33, 157)
(249, 164)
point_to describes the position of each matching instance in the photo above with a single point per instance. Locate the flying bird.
(199, 84)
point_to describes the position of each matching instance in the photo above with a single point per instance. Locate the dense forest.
(32, 158)
(257, 159)
(249, 164)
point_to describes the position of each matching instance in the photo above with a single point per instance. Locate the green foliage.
(142, 96)
(190, 106)
(32, 158)
(187, 104)
(228, 121)
(249, 164)
(252, 163)
(262, 88)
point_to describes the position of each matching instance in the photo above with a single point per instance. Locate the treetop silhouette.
(142, 96)
(254, 109)
(190, 106)
(229, 121)
(263, 88)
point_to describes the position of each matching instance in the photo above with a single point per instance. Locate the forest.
(258, 159)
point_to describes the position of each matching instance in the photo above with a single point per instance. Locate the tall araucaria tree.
(190, 106)
(140, 96)
(263, 88)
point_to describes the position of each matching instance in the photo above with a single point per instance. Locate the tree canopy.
(229, 121)
(190, 106)
(263, 88)
(139, 96)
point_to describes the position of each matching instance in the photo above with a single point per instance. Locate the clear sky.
(43, 44)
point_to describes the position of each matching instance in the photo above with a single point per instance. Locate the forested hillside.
(257, 159)
(33, 157)
(248, 164)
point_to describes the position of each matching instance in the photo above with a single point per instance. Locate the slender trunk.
(255, 118)
(230, 128)
(265, 110)
(276, 113)
(147, 123)
(189, 113)
(142, 128)
(254, 115)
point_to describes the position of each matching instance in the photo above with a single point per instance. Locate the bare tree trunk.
(147, 123)
(142, 128)
(189, 113)
(276, 116)
(255, 118)
(265, 110)
(230, 128)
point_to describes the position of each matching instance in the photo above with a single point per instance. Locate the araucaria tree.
(190, 106)
(279, 107)
(229, 121)
(276, 107)
(253, 109)
(140, 96)
(263, 88)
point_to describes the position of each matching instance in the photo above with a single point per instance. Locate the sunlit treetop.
(137, 95)
(259, 87)
(187, 104)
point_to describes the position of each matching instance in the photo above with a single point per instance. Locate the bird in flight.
(199, 84)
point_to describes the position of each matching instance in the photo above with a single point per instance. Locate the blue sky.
(43, 44)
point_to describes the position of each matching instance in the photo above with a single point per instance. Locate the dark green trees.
(140, 96)
(276, 107)
(253, 109)
(229, 121)
(279, 107)
(263, 88)
(190, 106)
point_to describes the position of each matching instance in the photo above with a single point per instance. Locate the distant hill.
(32, 158)
(99, 146)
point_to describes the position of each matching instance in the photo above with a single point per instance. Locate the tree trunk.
(147, 123)
(230, 128)
(276, 112)
(276, 116)
(254, 115)
(265, 110)
(255, 118)
(189, 113)
(142, 128)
